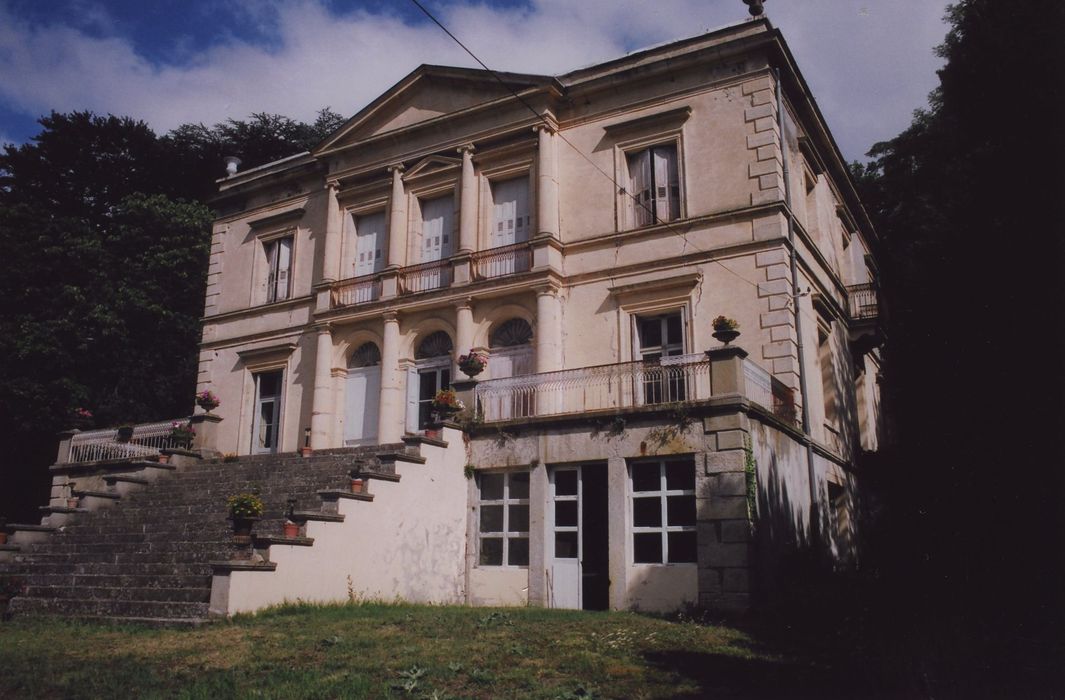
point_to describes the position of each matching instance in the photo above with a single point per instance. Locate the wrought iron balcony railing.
(424, 277)
(356, 290)
(502, 261)
(862, 302)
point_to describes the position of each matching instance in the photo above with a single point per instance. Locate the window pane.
(681, 547)
(647, 548)
(680, 510)
(519, 485)
(426, 384)
(269, 384)
(491, 551)
(673, 326)
(491, 487)
(519, 519)
(650, 332)
(680, 476)
(645, 477)
(647, 512)
(566, 513)
(565, 545)
(519, 551)
(491, 518)
(566, 482)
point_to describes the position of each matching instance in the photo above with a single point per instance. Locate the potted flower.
(207, 401)
(726, 329)
(446, 403)
(182, 434)
(245, 509)
(82, 418)
(292, 528)
(473, 363)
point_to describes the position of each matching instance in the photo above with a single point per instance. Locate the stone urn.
(726, 335)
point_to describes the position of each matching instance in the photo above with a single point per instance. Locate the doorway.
(579, 541)
(266, 422)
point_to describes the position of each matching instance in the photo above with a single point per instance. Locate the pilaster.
(322, 399)
(390, 415)
(546, 183)
(467, 202)
(397, 219)
(333, 226)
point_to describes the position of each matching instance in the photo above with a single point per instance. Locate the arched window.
(434, 345)
(366, 356)
(510, 333)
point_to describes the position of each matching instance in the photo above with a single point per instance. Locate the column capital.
(390, 316)
(466, 149)
(464, 303)
(332, 186)
(323, 327)
(542, 127)
(547, 290)
(396, 169)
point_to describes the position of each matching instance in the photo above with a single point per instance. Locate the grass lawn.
(405, 651)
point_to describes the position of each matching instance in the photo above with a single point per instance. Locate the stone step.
(81, 607)
(113, 569)
(184, 594)
(119, 580)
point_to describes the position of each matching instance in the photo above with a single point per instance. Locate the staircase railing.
(146, 440)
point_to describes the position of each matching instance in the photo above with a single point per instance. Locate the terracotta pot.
(242, 528)
(358, 486)
(726, 336)
(3, 537)
(73, 502)
(164, 459)
(292, 530)
(306, 452)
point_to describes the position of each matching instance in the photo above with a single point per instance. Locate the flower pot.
(292, 529)
(306, 452)
(471, 371)
(73, 502)
(164, 458)
(726, 335)
(358, 486)
(3, 537)
(242, 528)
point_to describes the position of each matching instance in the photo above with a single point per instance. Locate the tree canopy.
(105, 234)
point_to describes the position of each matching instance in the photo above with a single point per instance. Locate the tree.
(966, 203)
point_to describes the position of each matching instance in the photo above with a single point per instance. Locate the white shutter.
(284, 267)
(640, 173)
(371, 241)
(437, 217)
(521, 210)
(412, 400)
(510, 212)
(667, 184)
(271, 275)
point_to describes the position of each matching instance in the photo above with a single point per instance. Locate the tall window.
(437, 216)
(660, 337)
(663, 511)
(654, 185)
(433, 369)
(266, 423)
(279, 266)
(371, 244)
(503, 519)
(510, 212)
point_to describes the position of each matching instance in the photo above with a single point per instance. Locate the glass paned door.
(266, 424)
(565, 538)
(660, 337)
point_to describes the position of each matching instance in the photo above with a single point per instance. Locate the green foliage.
(750, 473)
(245, 505)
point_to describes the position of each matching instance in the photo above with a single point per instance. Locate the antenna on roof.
(754, 7)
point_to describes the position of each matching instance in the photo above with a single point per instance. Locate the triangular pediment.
(427, 93)
(432, 164)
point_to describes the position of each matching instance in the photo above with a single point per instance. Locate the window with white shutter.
(654, 185)
(510, 212)
(279, 269)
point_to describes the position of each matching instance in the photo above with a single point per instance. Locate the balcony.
(425, 277)
(862, 302)
(502, 261)
(628, 385)
(356, 290)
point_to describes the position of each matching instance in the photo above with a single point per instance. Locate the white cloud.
(869, 63)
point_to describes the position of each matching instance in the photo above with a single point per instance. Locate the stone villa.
(582, 231)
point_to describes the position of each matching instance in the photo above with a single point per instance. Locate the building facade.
(581, 231)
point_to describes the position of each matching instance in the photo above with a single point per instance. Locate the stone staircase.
(147, 555)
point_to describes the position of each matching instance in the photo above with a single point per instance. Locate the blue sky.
(870, 63)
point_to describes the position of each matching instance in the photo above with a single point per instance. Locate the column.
(463, 327)
(548, 330)
(467, 203)
(390, 411)
(322, 398)
(547, 183)
(397, 220)
(333, 228)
